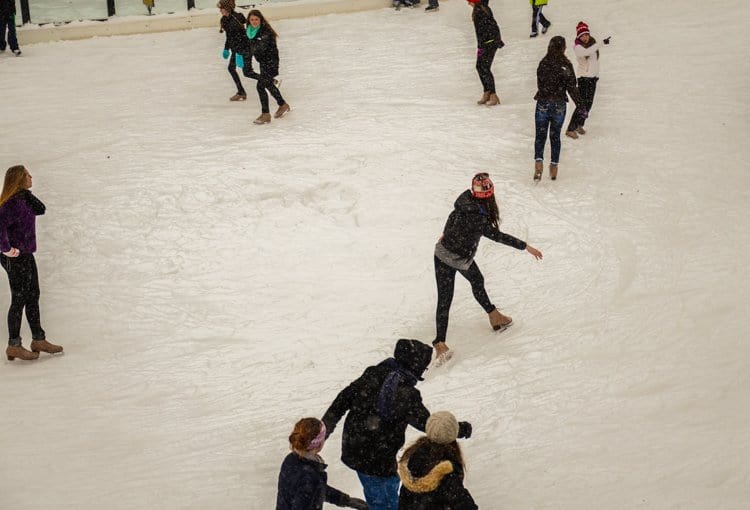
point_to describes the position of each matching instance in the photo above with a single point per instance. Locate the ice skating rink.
(213, 281)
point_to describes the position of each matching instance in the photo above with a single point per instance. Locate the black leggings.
(232, 68)
(587, 90)
(484, 67)
(445, 276)
(24, 292)
(265, 81)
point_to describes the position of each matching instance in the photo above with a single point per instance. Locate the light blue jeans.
(381, 493)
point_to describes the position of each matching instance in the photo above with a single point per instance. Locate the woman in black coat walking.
(555, 79)
(303, 482)
(432, 469)
(263, 46)
(237, 46)
(488, 42)
(475, 215)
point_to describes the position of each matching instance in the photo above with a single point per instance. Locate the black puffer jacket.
(426, 485)
(485, 27)
(555, 76)
(467, 224)
(370, 440)
(234, 28)
(265, 51)
(303, 485)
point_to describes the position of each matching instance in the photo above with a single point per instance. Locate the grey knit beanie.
(442, 427)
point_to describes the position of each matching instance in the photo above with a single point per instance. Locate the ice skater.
(8, 25)
(537, 17)
(263, 47)
(236, 46)
(488, 42)
(18, 211)
(475, 215)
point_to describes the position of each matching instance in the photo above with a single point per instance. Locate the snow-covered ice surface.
(213, 281)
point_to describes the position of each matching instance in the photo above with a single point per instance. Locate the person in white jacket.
(586, 50)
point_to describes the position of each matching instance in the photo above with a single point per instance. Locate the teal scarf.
(252, 32)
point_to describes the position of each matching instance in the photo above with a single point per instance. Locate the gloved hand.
(464, 429)
(225, 54)
(480, 52)
(606, 40)
(357, 503)
(239, 60)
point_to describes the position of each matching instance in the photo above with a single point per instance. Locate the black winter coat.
(370, 443)
(234, 28)
(7, 9)
(429, 486)
(303, 485)
(467, 224)
(485, 27)
(555, 76)
(265, 51)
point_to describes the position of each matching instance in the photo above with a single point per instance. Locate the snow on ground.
(213, 281)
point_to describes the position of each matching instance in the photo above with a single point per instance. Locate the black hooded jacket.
(265, 51)
(554, 77)
(371, 438)
(485, 26)
(426, 485)
(467, 224)
(7, 9)
(234, 28)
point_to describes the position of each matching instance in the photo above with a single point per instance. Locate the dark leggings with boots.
(485, 56)
(232, 68)
(24, 291)
(587, 89)
(445, 276)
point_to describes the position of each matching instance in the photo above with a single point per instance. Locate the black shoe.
(431, 8)
(544, 29)
(533, 34)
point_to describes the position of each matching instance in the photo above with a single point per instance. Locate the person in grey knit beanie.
(442, 427)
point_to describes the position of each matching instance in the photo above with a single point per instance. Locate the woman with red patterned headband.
(303, 481)
(475, 215)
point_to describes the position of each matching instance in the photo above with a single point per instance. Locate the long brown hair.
(436, 452)
(15, 178)
(493, 211)
(304, 432)
(263, 22)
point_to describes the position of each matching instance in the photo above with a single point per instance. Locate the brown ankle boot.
(44, 346)
(264, 118)
(17, 351)
(553, 171)
(498, 320)
(571, 134)
(282, 110)
(493, 100)
(538, 169)
(485, 98)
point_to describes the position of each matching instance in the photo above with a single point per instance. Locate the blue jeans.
(381, 493)
(549, 115)
(8, 24)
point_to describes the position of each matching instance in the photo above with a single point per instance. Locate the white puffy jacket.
(588, 60)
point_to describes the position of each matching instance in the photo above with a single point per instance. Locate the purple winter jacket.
(18, 222)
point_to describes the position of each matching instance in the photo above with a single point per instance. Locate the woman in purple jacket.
(18, 211)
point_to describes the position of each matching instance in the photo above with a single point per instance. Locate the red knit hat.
(481, 186)
(581, 29)
(473, 1)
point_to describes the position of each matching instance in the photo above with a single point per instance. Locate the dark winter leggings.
(587, 89)
(485, 56)
(265, 82)
(235, 75)
(445, 276)
(24, 292)
(537, 17)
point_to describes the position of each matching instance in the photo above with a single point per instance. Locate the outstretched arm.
(536, 253)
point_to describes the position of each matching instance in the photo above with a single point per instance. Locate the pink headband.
(319, 439)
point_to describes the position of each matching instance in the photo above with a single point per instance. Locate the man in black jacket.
(381, 403)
